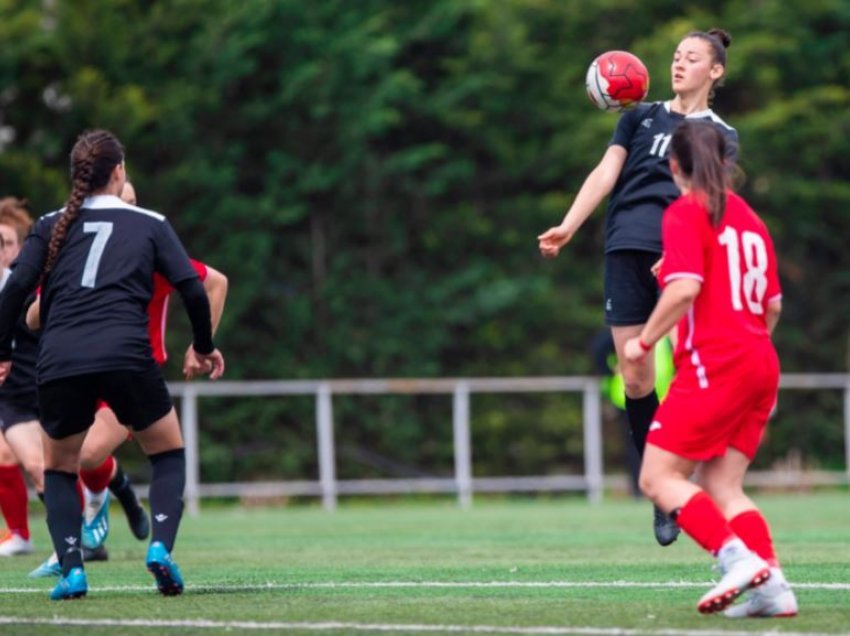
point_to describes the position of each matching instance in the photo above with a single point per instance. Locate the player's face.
(11, 245)
(694, 68)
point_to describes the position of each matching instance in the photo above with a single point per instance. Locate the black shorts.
(138, 398)
(16, 412)
(631, 290)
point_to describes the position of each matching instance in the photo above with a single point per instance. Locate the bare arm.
(215, 285)
(678, 296)
(595, 188)
(774, 308)
(33, 316)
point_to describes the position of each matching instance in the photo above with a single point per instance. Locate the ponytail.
(93, 159)
(700, 148)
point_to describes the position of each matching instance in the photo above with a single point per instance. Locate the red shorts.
(702, 423)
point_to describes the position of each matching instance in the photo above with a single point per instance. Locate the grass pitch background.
(550, 566)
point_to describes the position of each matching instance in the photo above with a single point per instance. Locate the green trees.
(372, 177)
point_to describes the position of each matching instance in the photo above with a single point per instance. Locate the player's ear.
(717, 71)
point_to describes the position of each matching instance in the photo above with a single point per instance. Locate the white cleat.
(742, 570)
(13, 544)
(773, 599)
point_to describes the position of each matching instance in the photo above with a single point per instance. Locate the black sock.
(40, 495)
(64, 517)
(641, 411)
(123, 491)
(166, 494)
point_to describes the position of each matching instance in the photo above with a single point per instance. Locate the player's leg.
(67, 410)
(24, 438)
(101, 471)
(142, 401)
(664, 479)
(13, 504)
(723, 479)
(631, 292)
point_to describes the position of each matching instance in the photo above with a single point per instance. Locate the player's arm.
(595, 188)
(774, 308)
(33, 318)
(678, 296)
(215, 284)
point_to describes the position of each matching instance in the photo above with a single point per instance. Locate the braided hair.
(93, 158)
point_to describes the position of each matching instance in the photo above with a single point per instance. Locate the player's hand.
(552, 240)
(632, 351)
(5, 370)
(656, 269)
(195, 364)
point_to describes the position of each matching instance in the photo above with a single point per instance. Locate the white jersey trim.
(111, 202)
(702, 114)
(680, 275)
(699, 367)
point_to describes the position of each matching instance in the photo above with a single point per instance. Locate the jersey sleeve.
(682, 244)
(34, 250)
(774, 289)
(200, 267)
(626, 127)
(171, 258)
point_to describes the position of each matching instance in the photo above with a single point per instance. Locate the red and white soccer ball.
(617, 81)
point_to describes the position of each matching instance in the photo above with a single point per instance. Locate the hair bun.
(723, 36)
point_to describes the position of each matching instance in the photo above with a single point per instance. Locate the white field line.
(547, 630)
(271, 585)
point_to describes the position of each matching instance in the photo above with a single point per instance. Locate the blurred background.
(372, 176)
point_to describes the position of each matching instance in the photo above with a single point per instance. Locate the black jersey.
(20, 386)
(94, 301)
(645, 187)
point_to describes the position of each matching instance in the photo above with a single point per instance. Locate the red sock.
(97, 479)
(703, 521)
(14, 500)
(754, 531)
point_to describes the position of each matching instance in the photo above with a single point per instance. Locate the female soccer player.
(96, 259)
(18, 400)
(634, 170)
(722, 290)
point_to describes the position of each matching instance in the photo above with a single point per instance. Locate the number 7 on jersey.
(102, 230)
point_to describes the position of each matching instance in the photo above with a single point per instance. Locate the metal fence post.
(325, 435)
(592, 423)
(847, 429)
(462, 444)
(189, 418)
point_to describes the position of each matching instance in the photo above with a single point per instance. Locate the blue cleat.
(169, 582)
(72, 586)
(47, 569)
(95, 519)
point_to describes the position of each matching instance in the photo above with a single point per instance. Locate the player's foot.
(13, 544)
(47, 569)
(95, 518)
(773, 599)
(666, 530)
(168, 579)
(140, 525)
(100, 553)
(742, 569)
(72, 586)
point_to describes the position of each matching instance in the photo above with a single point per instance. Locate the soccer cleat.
(666, 530)
(100, 553)
(95, 519)
(742, 570)
(13, 544)
(773, 599)
(169, 582)
(72, 586)
(47, 569)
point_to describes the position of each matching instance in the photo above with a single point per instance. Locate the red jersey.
(736, 265)
(158, 311)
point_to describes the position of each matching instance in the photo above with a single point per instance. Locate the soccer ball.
(617, 81)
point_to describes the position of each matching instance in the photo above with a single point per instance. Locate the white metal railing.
(463, 483)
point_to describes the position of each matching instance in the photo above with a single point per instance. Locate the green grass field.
(505, 566)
